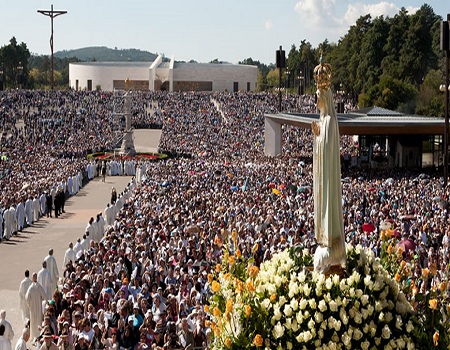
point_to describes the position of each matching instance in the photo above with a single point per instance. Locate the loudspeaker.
(445, 40)
(281, 59)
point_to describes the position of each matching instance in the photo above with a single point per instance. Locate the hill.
(103, 53)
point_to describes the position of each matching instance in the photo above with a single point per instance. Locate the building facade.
(160, 75)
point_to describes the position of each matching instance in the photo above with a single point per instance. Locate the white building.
(159, 75)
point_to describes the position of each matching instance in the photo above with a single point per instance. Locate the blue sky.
(202, 30)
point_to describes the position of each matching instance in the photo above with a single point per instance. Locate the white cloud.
(323, 15)
(268, 24)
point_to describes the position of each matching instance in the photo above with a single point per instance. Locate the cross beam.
(52, 14)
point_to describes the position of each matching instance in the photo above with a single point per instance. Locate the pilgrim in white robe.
(52, 267)
(70, 185)
(36, 209)
(8, 224)
(29, 211)
(20, 215)
(9, 333)
(45, 280)
(34, 297)
(43, 203)
(24, 285)
(69, 255)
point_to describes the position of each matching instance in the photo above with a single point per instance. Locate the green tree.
(14, 59)
(430, 101)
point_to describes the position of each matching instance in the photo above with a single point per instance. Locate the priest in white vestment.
(9, 333)
(23, 288)
(34, 297)
(20, 216)
(22, 341)
(45, 280)
(52, 267)
(29, 211)
(69, 255)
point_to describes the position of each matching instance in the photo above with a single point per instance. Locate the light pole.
(445, 46)
(52, 14)
(340, 94)
(19, 75)
(287, 72)
(2, 77)
(281, 63)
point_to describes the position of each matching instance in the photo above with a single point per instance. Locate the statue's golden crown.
(322, 75)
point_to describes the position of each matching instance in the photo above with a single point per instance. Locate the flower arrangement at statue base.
(285, 305)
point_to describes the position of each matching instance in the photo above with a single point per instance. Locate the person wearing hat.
(81, 343)
(136, 317)
(64, 342)
(48, 343)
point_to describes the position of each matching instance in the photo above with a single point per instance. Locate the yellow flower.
(239, 286)
(255, 248)
(398, 277)
(253, 270)
(207, 323)
(390, 248)
(210, 278)
(228, 342)
(414, 290)
(436, 338)
(238, 253)
(433, 304)
(206, 308)
(399, 250)
(216, 312)
(403, 264)
(248, 310)
(251, 288)
(425, 272)
(382, 235)
(433, 269)
(229, 305)
(258, 340)
(231, 260)
(216, 331)
(273, 297)
(389, 233)
(227, 276)
(215, 286)
(443, 286)
(218, 267)
(233, 235)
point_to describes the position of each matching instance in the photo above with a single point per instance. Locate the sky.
(202, 30)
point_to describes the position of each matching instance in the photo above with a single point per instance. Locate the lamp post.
(340, 94)
(287, 72)
(445, 46)
(19, 75)
(300, 83)
(281, 63)
(2, 77)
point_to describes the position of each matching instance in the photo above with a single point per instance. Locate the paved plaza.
(27, 250)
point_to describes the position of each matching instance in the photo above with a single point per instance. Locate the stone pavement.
(27, 250)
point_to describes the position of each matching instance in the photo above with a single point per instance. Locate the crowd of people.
(139, 277)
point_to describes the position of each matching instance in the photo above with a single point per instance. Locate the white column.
(272, 135)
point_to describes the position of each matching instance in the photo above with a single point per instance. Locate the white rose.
(352, 312)
(342, 285)
(289, 345)
(311, 324)
(386, 332)
(336, 280)
(365, 345)
(299, 318)
(357, 334)
(301, 277)
(306, 290)
(308, 336)
(300, 338)
(333, 306)
(358, 318)
(389, 317)
(346, 339)
(294, 304)
(364, 299)
(288, 323)
(381, 317)
(409, 327)
(318, 317)
(277, 313)
(359, 293)
(322, 306)
(295, 326)
(278, 331)
(288, 310)
(364, 313)
(312, 304)
(335, 338)
(370, 310)
(282, 300)
(352, 292)
(303, 304)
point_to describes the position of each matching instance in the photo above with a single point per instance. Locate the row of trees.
(393, 63)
